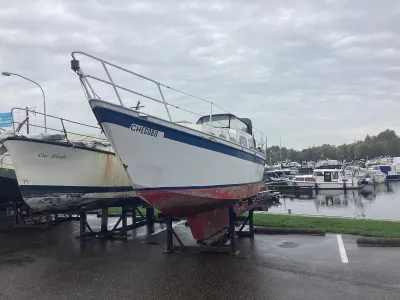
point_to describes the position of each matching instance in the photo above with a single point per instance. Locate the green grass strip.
(118, 210)
(372, 228)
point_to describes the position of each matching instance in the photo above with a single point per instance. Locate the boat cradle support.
(223, 241)
(25, 217)
(121, 227)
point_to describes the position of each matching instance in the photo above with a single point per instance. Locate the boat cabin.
(328, 175)
(230, 127)
(228, 121)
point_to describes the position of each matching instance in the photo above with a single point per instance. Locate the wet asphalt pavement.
(51, 264)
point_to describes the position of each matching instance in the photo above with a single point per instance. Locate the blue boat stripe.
(105, 115)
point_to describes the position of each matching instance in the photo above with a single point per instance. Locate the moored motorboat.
(328, 179)
(386, 165)
(182, 169)
(390, 170)
(68, 172)
(276, 175)
(375, 173)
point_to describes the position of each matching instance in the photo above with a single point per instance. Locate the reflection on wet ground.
(372, 202)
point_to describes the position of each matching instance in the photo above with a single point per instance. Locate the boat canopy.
(385, 168)
(228, 121)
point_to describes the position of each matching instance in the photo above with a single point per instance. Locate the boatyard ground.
(372, 228)
(52, 264)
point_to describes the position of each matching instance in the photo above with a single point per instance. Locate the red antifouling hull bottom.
(206, 209)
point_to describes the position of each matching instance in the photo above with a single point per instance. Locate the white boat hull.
(179, 170)
(379, 178)
(56, 177)
(350, 185)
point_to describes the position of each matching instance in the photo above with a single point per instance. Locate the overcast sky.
(309, 72)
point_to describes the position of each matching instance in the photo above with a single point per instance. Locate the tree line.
(386, 143)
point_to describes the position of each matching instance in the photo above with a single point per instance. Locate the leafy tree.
(386, 143)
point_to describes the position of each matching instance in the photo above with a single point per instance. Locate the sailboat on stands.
(195, 170)
(65, 171)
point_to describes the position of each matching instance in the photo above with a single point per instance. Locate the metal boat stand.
(223, 241)
(121, 227)
(24, 216)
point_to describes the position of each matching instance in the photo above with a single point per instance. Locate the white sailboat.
(65, 172)
(183, 169)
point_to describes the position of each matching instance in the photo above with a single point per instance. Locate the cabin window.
(327, 176)
(243, 141)
(318, 174)
(335, 175)
(233, 140)
(216, 121)
(225, 121)
(251, 144)
(237, 124)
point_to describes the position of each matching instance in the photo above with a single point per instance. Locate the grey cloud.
(310, 72)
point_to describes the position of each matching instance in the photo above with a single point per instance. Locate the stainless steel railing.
(62, 125)
(91, 94)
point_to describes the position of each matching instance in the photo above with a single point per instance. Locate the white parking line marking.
(161, 230)
(342, 250)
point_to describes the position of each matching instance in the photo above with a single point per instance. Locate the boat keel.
(215, 230)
